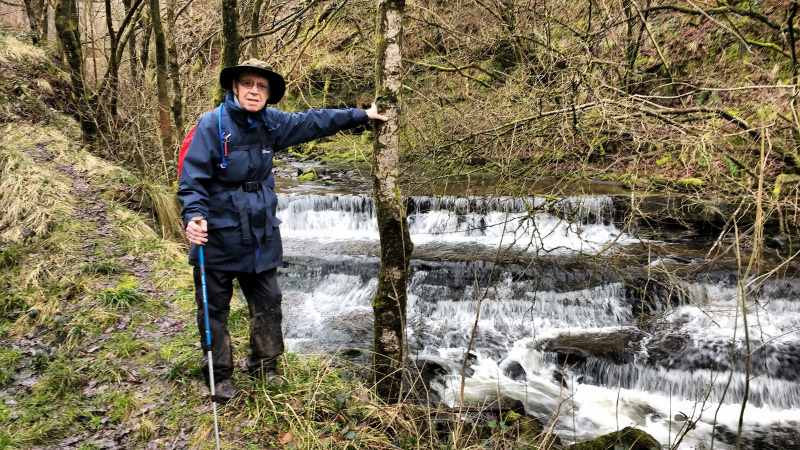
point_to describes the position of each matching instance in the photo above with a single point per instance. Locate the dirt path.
(153, 395)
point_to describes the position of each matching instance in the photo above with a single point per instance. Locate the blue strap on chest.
(224, 138)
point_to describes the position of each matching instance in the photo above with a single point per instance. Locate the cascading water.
(560, 329)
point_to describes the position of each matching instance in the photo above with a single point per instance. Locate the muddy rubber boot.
(269, 373)
(224, 391)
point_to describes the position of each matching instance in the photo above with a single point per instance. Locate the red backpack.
(224, 138)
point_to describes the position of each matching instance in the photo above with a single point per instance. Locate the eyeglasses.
(248, 84)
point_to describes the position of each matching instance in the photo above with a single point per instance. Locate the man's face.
(252, 90)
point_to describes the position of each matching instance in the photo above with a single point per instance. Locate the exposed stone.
(628, 438)
(574, 347)
(309, 174)
(515, 371)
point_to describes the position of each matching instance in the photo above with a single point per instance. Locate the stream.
(583, 323)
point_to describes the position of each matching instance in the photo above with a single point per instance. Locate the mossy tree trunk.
(45, 22)
(231, 40)
(147, 31)
(114, 58)
(66, 20)
(162, 91)
(631, 49)
(134, 60)
(389, 303)
(117, 39)
(255, 18)
(174, 72)
(36, 10)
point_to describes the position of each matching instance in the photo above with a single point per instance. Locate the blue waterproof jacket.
(238, 201)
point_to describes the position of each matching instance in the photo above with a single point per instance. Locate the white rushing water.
(680, 364)
(518, 223)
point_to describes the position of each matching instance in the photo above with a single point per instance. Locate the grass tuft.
(122, 297)
(12, 49)
(11, 256)
(101, 267)
(166, 207)
(31, 199)
(62, 378)
(9, 358)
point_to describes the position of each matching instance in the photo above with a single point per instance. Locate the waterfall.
(547, 317)
(533, 224)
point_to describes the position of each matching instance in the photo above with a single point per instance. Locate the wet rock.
(471, 360)
(515, 371)
(666, 346)
(512, 405)
(309, 174)
(418, 384)
(629, 438)
(766, 437)
(649, 294)
(673, 209)
(574, 347)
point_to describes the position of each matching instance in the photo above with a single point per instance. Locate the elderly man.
(227, 180)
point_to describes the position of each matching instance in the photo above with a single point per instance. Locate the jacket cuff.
(188, 218)
(359, 115)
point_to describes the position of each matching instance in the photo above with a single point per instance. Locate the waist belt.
(251, 186)
(240, 201)
(217, 186)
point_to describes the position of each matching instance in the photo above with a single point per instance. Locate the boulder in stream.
(628, 438)
(611, 344)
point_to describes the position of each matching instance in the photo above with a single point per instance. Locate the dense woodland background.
(672, 94)
(694, 98)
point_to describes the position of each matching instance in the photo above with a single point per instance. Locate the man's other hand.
(197, 233)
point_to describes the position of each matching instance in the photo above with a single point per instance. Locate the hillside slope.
(98, 342)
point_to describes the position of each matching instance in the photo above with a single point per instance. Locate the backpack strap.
(224, 137)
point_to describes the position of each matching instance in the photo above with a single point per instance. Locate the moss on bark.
(389, 303)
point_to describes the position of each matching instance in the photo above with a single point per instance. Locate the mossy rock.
(666, 159)
(785, 181)
(309, 174)
(628, 438)
(526, 425)
(346, 157)
(691, 184)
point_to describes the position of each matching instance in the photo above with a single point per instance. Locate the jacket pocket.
(221, 222)
(239, 163)
(224, 249)
(221, 211)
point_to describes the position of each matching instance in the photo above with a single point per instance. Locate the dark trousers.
(263, 301)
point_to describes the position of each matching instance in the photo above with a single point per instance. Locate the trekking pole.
(198, 221)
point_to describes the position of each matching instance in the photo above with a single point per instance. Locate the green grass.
(121, 402)
(125, 346)
(101, 267)
(121, 297)
(52, 409)
(62, 378)
(9, 360)
(11, 256)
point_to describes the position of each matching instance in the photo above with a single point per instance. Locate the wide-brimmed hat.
(277, 86)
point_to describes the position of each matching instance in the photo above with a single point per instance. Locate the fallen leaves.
(287, 439)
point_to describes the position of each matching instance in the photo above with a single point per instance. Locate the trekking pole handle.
(199, 220)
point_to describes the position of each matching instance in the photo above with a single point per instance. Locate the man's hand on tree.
(372, 113)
